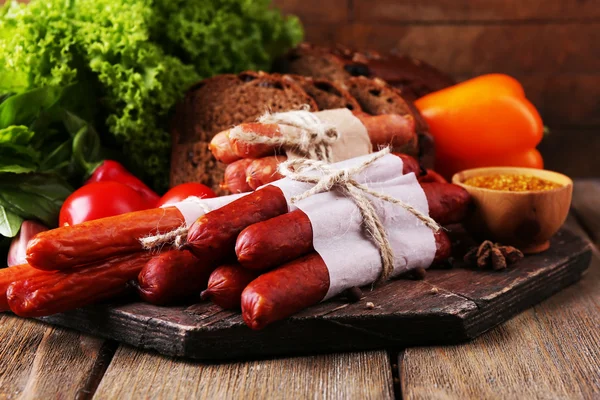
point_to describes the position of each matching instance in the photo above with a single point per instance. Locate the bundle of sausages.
(278, 271)
(73, 266)
(252, 251)
(253, 165)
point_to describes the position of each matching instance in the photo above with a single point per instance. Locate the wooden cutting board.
(449, 306)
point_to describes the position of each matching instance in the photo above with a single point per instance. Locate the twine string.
(177, 237)
(329, 178)
(312, 138)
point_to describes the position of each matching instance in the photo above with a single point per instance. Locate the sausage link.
(443, 247)
(263, 171)
(213, 235)
(448, 203)
(409, 164)
(227, 149)
(393, 130)
(297, 285)
(285, 291)
(431, 176)
(220, 147)
(88, 242)
(61, 291)
(226, 284)
(172, 277)
(13, 274)
(235, 177)
(273, 242)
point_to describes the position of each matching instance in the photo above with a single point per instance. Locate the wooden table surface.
(549, 351)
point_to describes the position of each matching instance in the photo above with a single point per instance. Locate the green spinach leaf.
(34, 196)
(10, 223)
(24, 108)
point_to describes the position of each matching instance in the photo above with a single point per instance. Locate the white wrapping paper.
(350, 255)
(194, 207)
(353, 139)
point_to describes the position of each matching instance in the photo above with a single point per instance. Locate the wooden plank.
(534, 49)
(39, 361)
(405, 313)
(330, 11)
(135, 374)
(469, 11)
(206, 332)
(550, 351)
(573, 152)
(586, 205)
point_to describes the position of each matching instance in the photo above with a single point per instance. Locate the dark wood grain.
(476, 49)
(464, 304)
(469, 11)
(38, 361)
(135, 374)
(549, 351)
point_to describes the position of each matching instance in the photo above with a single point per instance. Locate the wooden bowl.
(526, 220)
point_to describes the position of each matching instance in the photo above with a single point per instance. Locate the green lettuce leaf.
(133, 59)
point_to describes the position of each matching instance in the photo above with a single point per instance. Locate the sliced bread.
(414, 77)
(219, 103)
(314, 61)
(326, 94)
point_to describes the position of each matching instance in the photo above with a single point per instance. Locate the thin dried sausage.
(235, 177)
(91, 241)
(431, 176)
(52, 293)
(390, 130)
(173, 276)
(226, 285)
(11, 275)
(263, 171)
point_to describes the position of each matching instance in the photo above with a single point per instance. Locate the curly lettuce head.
(133, 59)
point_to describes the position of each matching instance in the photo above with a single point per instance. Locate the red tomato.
(185, 190)
(100, 200)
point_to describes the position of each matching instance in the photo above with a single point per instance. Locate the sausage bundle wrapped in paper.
(290, 133)
(376, 227)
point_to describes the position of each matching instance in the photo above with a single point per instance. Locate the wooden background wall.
(551, 46)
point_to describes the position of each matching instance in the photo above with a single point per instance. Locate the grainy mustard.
(511, 183)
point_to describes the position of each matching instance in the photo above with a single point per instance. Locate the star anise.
(493, 255)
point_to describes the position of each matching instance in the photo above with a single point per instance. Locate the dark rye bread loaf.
(376, 97)
(413, 77)
(314, 61)
(326, 94)
(217, 104)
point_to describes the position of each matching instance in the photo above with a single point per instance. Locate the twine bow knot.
(341, 179)
(311, 139)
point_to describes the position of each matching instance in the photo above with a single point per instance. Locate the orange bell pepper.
(484, 121)
(448, 165)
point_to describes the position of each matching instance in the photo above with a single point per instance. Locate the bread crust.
(216, 104)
